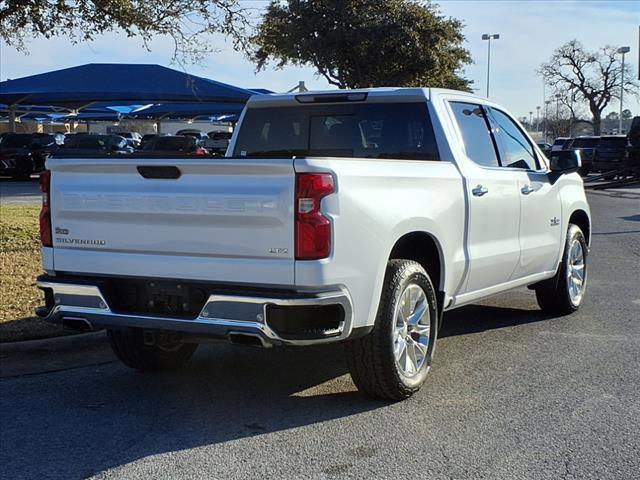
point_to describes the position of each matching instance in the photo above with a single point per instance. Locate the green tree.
(185, 21)
(592, 77)
(364, 43)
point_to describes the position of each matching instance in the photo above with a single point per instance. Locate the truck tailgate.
(228, 220)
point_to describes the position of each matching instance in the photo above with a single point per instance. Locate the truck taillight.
(313, 229)
(45, 212)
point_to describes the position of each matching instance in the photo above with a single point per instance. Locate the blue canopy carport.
(80, 87)
(190, 111)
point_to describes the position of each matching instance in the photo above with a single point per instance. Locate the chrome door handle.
(527, 189)
(479, 191)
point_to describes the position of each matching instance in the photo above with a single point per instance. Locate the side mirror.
(563, 162)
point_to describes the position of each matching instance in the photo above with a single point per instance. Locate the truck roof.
(379, 94)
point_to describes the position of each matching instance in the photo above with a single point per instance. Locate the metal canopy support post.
(12, 119)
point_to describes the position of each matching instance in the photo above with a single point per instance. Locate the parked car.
(561, 143)
(217, 142)
(587, 146)
(174, 144)
(192, 132)
(545, 147)
(97, 144)
(610, 153)
(357, 216)
(23, 154)
(133, 138)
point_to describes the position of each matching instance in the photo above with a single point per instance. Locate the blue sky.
(529, 31)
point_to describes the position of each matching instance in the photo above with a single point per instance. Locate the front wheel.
(392, 361)
(563, 294)
(132, 350)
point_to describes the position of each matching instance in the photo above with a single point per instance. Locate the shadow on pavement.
(480, 318)
(81, 422)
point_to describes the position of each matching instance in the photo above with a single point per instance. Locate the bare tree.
(592, 77)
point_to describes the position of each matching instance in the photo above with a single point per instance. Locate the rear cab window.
(372, 130)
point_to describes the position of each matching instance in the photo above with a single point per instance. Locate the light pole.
(538, 119)
(488, 37)
(621, 50)
(546, 116)
(559, 125)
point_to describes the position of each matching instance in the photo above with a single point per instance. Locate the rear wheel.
(132, 350)
(563, 294)
(392, 362)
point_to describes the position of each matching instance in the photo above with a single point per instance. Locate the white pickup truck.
(357, 216)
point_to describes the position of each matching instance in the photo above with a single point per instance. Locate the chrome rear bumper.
(222, 316)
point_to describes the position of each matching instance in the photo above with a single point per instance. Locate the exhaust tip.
(77, 324)
(42, 312)
(246, 339)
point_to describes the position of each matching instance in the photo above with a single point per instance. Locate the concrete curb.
(80, 340)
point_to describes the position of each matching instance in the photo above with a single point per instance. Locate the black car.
(545, 147)
(92, 144)
(587, 147)
(174, 144)
(22, 154)
(561, 143)
(150, 136)
(610, 153)
(134, 139)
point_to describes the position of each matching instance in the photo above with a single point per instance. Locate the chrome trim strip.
(205, 322)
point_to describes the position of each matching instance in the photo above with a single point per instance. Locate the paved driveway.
(513, 394)
(12, 192)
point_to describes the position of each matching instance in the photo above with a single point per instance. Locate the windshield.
(585, 143)
(220, 135)
(20, 140)
(89, 142)
(385, 130)
(170, 144)
(613, 142)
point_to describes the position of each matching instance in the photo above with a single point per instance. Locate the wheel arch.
(425, 249)
(580, 218)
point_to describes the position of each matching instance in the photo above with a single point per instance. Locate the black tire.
(130, 348)
(553, 296)
(371, 359)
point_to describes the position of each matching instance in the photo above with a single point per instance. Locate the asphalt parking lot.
(14, 192)
(513, 394)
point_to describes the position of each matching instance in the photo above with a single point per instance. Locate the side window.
(473, 124)
(515, 149)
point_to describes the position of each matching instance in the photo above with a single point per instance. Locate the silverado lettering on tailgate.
(165, 203)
